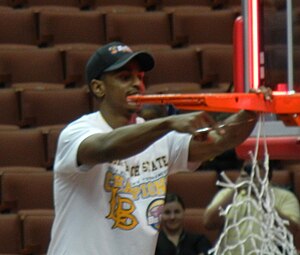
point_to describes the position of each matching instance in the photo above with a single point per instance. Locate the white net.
(252, 225)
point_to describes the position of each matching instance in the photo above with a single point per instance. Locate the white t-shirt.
(111, 208)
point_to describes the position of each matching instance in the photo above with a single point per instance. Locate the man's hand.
(192, 122)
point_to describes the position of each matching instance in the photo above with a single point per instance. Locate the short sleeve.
(179, 152)
(68, 143)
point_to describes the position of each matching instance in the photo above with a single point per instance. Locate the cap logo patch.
(119, 48)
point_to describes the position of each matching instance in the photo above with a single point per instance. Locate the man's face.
(120, 84)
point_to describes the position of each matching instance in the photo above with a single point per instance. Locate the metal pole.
(245, 12)
(290, 67)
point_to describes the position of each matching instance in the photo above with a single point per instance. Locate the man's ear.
(98, 88)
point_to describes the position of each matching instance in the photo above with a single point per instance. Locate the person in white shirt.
(111, 167)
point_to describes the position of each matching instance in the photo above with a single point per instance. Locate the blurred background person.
(173, 239)
(285, 203)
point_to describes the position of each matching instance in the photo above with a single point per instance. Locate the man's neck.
(117, 120)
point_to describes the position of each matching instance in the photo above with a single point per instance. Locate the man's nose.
(137, 80)
(139, 83)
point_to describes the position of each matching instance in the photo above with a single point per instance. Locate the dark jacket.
(189, 244)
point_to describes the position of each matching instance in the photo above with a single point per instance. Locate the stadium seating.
(181, 3)
(4, 127)
(36, 230)
(18, 169)
(15, 66)
(53, 107)
(21, 169)
(4, 6)
(181, 8)
(75, 61)
(56, 5)
(296, 183)
(10, 234)
(26, 191)
(71, 29)
(18, 28)
(173, 88)
(184, 71)
(51, 142)
(120, 9)
(60, 3)
(291, 165)
(23, 147)
(217, 68)
(134, 29)
(20, 86)
(194, 29)
(119, 6)
(9, 107)
(277, 69)
(195, 224)
(196, 188)
(275, 22)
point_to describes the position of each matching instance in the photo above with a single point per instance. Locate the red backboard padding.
(280, 148)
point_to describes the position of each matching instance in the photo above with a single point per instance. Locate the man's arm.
(129, 140)
(289, 209)
(237, 128)
(212, 218)
(293, 226)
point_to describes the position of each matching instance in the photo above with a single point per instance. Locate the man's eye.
(125, 77)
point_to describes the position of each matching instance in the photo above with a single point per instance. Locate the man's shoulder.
(85, 119)
(93, 116)
(84, 123)
(281, 190)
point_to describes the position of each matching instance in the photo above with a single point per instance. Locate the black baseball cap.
(113, 56)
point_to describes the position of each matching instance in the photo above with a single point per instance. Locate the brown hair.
(171, 197)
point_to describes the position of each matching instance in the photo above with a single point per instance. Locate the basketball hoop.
(286, 105)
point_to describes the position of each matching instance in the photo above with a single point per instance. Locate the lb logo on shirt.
(123, 196)
(154, 211)
(121, 211)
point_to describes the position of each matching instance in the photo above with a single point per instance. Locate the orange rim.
(226, 102)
